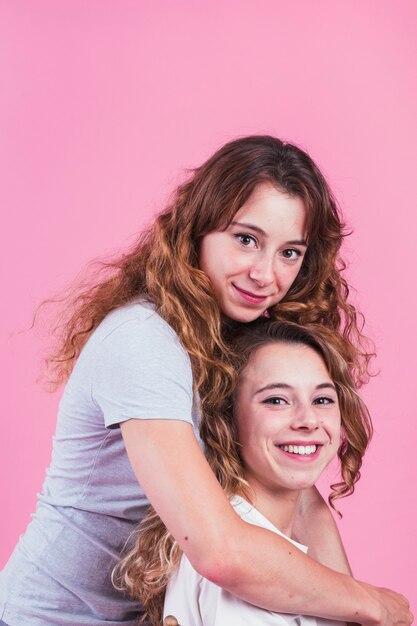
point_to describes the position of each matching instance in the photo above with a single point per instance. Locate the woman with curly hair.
(294, 408)
(254, 232)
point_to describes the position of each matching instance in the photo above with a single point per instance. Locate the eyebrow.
(294, 242)
(285, 386)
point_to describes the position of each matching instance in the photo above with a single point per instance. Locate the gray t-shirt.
(133, 366)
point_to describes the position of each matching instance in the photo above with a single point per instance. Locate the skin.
(285, 397)
(217, 542)
(253, 263)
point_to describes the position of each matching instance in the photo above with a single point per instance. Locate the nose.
(305, 419)
(261, 270)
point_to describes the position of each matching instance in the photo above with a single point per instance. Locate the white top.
(195, 601)
(132, 366)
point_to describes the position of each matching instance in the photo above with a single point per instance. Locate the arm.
(176, 477)
(315, 527)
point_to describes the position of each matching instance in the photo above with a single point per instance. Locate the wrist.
(369, 609)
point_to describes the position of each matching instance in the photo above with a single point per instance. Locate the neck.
(279, 506)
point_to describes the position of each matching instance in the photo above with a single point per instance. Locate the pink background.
(102, 105)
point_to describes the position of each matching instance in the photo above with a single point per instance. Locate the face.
(253, 263)
(288, 418)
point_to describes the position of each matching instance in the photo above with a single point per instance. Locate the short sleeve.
(142, 372)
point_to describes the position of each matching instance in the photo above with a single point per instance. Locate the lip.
(249, 296)
(302, 442)
(300, 458)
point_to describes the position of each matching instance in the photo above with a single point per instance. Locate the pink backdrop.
(103, 103)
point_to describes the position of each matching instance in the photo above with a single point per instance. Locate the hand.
(170, 620)
(394, 608)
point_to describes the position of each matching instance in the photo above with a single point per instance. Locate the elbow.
(224, 573)
(222, 565)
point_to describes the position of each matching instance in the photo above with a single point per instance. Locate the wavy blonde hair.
(145, 570)
(163, 265)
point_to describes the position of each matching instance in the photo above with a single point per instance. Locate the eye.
(324, 400)
(275, 400)
(292, 254)
(248, 241)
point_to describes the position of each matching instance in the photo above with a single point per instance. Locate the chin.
(243, 316)
(299, 485)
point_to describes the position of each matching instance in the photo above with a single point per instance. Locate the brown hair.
(356, 422)
(163, 265)
(146, 568)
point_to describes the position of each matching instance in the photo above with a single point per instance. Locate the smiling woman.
(288, 421)
(255, 260)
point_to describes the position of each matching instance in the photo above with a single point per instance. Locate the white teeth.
(299, 449)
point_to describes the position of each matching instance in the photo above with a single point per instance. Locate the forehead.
(273, 214)
(293, 364)
(267, 195)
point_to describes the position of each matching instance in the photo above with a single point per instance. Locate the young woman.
(254, 231)
(295, 407)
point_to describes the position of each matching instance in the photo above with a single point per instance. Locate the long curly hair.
(145, 570)
(163, 265)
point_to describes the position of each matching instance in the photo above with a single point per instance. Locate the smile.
(302, 453)
(299, 449)
(249, 296)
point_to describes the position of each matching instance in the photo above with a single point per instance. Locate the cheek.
(210, 263)
(242, 438)
(292, 273)
(253, 440)
(210, 247)
(250, 453)
(337, 433)
(217, 257)
(246, 435)
(285, 275)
